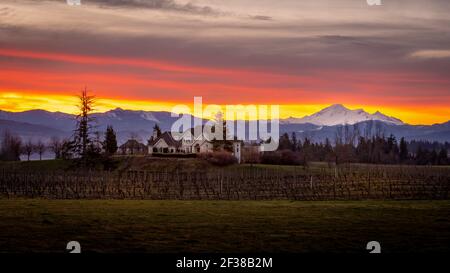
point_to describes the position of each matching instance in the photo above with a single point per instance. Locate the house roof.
(132, 143)
(194, 135)
(167, 137)
(198, 132)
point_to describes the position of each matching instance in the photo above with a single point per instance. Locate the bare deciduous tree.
(40, 148)
(28, 149)
(55, 146)
(11, 147)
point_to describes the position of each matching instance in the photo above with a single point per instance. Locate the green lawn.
(223, 226)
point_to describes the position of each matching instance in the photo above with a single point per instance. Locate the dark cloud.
(289, 55)
(360, 46)
(168, 5)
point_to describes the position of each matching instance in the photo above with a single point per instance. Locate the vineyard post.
(334, 189)
(221, 182)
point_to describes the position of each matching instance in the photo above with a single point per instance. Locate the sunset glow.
(151, 58)
(17, 102)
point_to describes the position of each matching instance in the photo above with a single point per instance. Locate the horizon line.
(103, 111)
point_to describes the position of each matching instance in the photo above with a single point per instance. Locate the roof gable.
(168, 139)
(132, 143)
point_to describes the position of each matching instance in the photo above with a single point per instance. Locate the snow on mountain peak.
(148, 116)
(338, 114)
(336, 106)
(121, 114)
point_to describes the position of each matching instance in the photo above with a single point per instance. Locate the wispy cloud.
(5, 11)
(431, 54)
(261, 17)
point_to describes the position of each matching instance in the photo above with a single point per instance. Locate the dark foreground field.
(33, 225)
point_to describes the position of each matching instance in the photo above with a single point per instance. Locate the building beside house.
(132, 147)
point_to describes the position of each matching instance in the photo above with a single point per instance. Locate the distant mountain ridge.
(125, 123)
(41, 124)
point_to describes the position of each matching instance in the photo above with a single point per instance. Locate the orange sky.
(32, 87)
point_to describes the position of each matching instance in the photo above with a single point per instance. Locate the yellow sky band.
(17, 102)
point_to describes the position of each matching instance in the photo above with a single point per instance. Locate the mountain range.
(327, 123)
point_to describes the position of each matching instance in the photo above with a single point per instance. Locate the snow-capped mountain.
(338, 114)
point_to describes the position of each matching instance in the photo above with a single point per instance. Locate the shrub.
(284, 157)
(220, 158)
(273, 158)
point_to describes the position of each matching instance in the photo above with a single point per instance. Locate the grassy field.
(124, 163)
(156, 163)
(33, 225)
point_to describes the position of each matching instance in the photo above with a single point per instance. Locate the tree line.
(377, 149)
(12, 147)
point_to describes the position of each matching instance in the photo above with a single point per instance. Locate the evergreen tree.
(67, 149)
(284, 142)
(363, 150)
(328, 152)
(443, 157)
(403, 153)
(110, 143)
(157, 129)
(421, 156)
(82, 143)
(294, 142)
(433, 157)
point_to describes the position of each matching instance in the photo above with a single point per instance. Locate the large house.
(190, 142)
